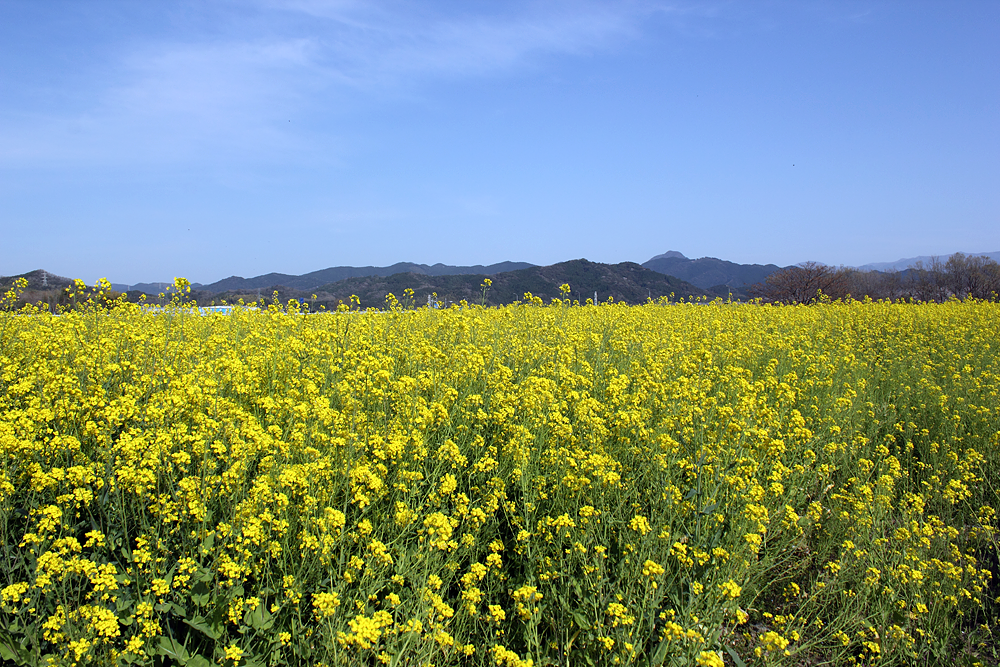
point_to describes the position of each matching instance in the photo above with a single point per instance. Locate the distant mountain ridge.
(670, 254)
(710, 272)
(906, 263)
(707, 274)
(626, 281)
(38, 280)
(315, 279)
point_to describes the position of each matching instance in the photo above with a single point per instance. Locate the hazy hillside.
(902, 264)
(313, 280)
(38, 281)
(624, 282)
(146, 288)
(658, 276)
(43, 287)
(709, 272)
(670, 254)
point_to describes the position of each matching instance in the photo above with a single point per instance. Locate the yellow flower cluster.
(532, 484)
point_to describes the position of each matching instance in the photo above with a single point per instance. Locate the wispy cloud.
(200, 81)
(374, 45)
(167, 101)
(174, 96)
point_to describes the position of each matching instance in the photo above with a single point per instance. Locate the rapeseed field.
(556, 484)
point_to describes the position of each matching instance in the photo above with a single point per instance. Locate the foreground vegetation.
(528, 485)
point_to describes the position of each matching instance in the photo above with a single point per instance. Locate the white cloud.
(170, 100)
(378, 45)
(374, 44)
(206, 80)
(177, 96)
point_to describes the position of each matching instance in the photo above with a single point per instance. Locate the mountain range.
(706, 273)
(662, 275)
(906, 263)
(314, 279)
(627, 282)
(709, 272)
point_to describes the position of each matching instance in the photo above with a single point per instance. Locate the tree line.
(961, 276)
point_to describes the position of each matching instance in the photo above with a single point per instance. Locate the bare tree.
(803, 284)
(972, 276)
(874, 284)
(927, 282)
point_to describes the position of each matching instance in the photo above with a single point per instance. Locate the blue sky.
(145, 140)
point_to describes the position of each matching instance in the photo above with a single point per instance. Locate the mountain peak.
(670, 254)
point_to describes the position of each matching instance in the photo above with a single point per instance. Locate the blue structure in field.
(206, 310)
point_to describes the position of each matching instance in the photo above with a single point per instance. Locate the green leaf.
(173, 650)
(661, 653)
(580, 620)
(169, 577)
(199, 661)
(217, 618)
(736, 659)
(6, 653)
(260, 618)
(131, 658)
(201, 593)
(202, 624)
